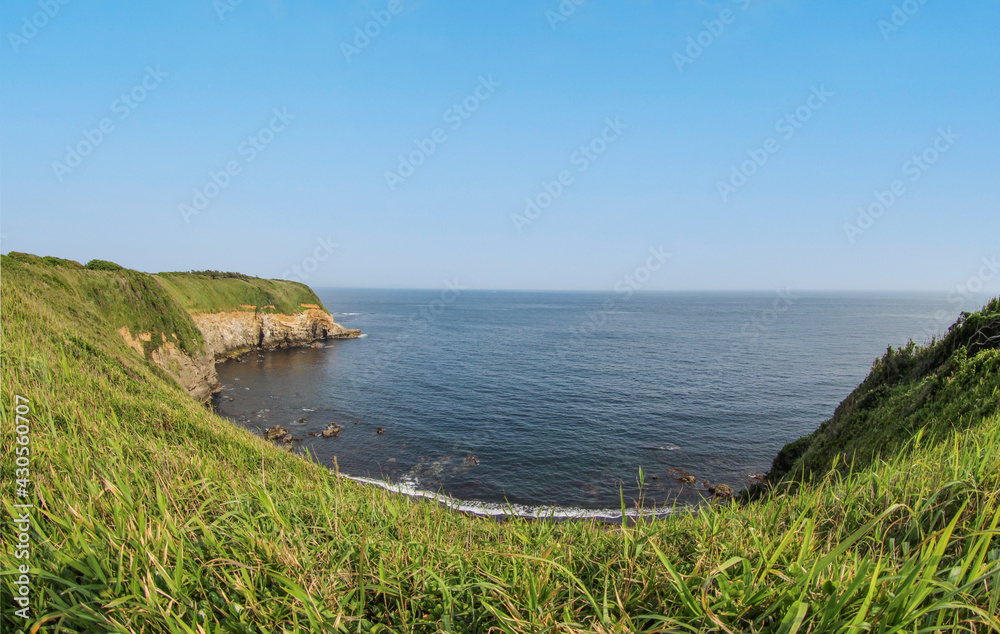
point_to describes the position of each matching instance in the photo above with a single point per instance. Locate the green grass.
(212, 292)
(154, 515)
(157, 304)
(103, 297)
(939, 388)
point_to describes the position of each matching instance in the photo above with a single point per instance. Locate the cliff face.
(232, 333)
(194, 372)
(182, 322)
(229, 334)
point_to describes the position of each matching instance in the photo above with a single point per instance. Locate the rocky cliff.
(194, 372)
(182, 322)
(229, 334)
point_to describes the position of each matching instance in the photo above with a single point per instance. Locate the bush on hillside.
(103, 265)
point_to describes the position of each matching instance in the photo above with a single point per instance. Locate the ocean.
(554, 403)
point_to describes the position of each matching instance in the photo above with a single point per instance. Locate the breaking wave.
(410, 487)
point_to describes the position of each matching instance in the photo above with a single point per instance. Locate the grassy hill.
(158, 304)
(214, 292)
(154, 515)
(937, 390)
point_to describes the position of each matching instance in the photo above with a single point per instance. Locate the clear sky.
(741, 137)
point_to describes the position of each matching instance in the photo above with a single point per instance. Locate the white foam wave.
(362, 335)
(351, 314)
(410, 486)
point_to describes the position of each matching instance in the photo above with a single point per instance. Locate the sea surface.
(553, 403)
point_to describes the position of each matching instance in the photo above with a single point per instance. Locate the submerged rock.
(685, 477)
(719, 490)
(274, 433)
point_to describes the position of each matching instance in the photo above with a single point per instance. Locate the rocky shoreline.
(231, 334)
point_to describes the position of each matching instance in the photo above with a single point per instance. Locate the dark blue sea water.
(542, 399)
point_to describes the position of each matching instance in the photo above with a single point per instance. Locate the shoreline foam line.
(495, 510)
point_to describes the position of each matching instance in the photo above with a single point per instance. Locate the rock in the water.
(274, 433)
(719, 490)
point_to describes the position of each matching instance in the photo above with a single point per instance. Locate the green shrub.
(103, 265)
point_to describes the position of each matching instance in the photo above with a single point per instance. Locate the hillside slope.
(151, 514)
(182, 322)
(941, 388)
(214, 292)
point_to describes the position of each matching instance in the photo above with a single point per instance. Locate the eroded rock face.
(196, 374)
(233, 333)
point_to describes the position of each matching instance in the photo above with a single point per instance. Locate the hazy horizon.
(546, 145)
(635, 287)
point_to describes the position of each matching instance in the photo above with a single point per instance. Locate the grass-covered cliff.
(215, 292)
(181, 322)
(154, 515)
(159, 304)
(935, 390)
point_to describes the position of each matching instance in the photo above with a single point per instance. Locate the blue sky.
(648, 111)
